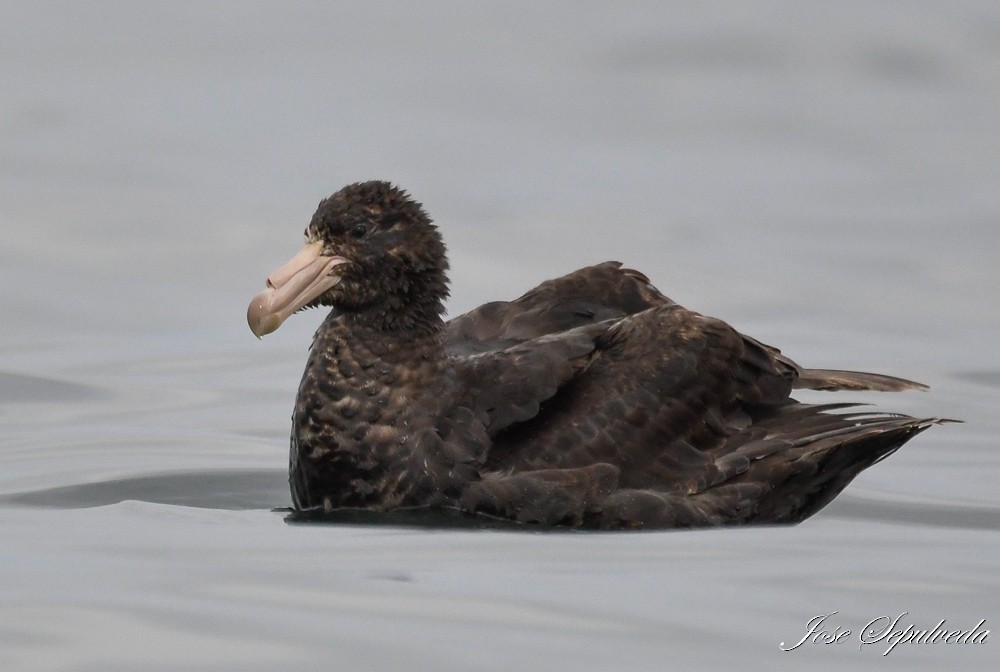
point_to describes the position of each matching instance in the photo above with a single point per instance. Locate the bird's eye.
(359, 231)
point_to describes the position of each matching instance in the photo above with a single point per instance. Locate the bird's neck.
(394, 320)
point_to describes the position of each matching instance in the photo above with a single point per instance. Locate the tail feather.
(832, 379)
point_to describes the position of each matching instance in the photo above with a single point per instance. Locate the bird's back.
(638, 412)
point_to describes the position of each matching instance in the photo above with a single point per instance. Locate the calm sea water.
(823, 177)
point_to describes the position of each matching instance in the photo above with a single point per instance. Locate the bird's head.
(369, 247)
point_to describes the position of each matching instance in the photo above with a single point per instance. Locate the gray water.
(823, 176)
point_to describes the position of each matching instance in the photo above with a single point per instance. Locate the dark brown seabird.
(591, 401)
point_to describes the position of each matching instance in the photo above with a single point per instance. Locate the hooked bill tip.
(261, 320)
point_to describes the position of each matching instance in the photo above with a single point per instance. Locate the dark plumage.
(593, 400)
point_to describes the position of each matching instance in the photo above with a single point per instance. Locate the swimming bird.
(593, 400)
